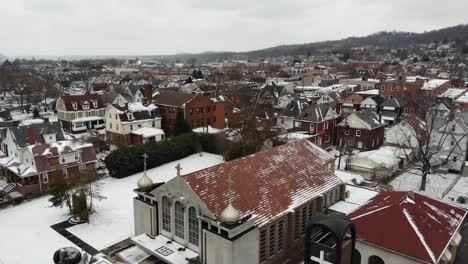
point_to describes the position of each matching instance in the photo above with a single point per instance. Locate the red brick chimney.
(148, 94)
(31, 136)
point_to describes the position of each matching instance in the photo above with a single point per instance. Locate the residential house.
(391, 110)
(401, 88)
(407, 228)
(80, 113)
(285, 118)
(364, 83)
(114, 98)
(38, 156)
(372, 102)
(380, 164)
(140, 93)
(319, 121)
(133, 123)
(198, 110)
(250, 210)
(435, 87)
(352, 103)
(363, 130)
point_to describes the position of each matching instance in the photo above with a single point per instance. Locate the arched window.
(179, 220)
(193, 226)
(375, 260)
(166, 214)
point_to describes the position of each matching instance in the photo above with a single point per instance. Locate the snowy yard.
(459, 190)
(436, 184)
(113, 221)
(26, 236)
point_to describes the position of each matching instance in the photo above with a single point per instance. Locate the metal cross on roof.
(320, 260)
(145, 156)
(178, 168)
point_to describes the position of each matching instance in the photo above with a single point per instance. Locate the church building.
(251, 210)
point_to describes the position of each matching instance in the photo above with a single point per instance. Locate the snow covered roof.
(409, 224)
(267, 184)
(434, 83)
(148, 132)
(369, 92)
(452, 93)
(366, 119)
(356, 197)
(209, 130)
(385, 156)
(349, 177)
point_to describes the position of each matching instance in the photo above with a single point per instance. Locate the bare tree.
(430, 142)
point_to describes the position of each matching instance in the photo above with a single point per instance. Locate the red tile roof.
(420, 228)
(267, 184)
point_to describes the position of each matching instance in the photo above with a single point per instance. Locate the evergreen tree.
(36, 113)
(181, 126)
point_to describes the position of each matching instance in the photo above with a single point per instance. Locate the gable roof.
(267, 184)
(21, 133)
(170, 98)
(366, 119)
(317, 113)
(80, 99)
(392, 102)
(408, 224)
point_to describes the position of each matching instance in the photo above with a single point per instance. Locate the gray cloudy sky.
(131, 27)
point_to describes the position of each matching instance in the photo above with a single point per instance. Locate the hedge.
(128, 160)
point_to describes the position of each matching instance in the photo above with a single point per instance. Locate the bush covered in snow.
(128, 160)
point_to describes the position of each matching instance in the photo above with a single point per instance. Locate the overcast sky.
(132, 27)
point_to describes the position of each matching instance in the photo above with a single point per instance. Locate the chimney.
(31, 136)
(411, 195)
(451, 115)
(148, 94)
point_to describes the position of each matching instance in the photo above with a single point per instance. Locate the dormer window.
(85, 105)
(75, 105)
(95, 103)
(130, 116)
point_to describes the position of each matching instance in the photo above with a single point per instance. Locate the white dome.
(144, 181)
(230, 215)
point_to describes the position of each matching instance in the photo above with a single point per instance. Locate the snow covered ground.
(459, 190)
(436, 184)
(26, 236)
(113, 221)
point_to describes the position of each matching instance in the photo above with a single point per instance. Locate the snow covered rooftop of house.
(408, 224)
(370, 92)
(138, 107)
(452, 93)
(357, 197)
(386, 156)
(28, 122)
(148, 132)
(349, 177)
(87, 119)
(209, 130)
(462, 99)
(434, 83)
(59, 147)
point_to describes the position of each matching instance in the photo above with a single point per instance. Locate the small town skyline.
(77, 28)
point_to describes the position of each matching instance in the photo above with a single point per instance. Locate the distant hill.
(393, 39)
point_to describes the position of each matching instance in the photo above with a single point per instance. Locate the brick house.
(363, 130)
(250, 210)
(133, 123)
(319, 121)
(198, 110)
(400, 88)
(38, 155)
(80, 113)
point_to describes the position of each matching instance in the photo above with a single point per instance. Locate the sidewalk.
(61, 228)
